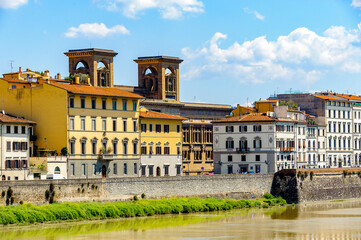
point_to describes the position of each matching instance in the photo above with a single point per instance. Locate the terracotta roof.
(254, 117)
(10, 119)
(348, 96)
(267, 101)
(249, 108)
(158, 115)
(90, 90)
(328, 97)
(13, 80)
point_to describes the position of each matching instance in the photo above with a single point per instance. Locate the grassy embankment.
(28, 213)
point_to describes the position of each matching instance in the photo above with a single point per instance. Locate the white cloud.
(302, 56)
(169, 9)
(12, 4)
(356, 3)
(255, 13)
(95, 30)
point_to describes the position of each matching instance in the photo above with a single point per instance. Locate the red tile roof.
(328, 97)
(348, 96)
(90, 90)
(158, 115)
(10, 119)
(253, 117)
(13, 80)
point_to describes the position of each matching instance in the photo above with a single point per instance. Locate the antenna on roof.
(11, 65)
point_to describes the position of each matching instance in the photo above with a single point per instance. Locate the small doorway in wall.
(104, 171)
(158, 171)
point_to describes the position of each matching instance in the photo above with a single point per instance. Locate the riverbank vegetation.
(29, 213)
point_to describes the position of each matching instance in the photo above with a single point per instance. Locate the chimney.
(77, 80)
(58, 76)
(88, 81)
(19, 69)
(46, 73)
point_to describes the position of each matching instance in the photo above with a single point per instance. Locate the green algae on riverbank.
(28, 213)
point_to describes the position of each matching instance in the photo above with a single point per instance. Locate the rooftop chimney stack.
(19, 69)
(58, 76)
(77, 80)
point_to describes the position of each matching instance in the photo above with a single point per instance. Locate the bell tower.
(86, 61)
(158, 77)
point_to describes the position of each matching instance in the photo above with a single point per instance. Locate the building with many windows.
(97, 125)
(161, 144)
(15, 147)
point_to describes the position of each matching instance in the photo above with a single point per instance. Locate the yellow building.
(242, 110)
(161, 144)
(263, 106)
(98, 125)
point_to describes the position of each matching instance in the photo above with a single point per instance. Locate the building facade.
(161, 144)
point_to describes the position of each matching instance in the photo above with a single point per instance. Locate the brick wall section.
(115, 189)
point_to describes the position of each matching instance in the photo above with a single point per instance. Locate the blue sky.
(233, 50)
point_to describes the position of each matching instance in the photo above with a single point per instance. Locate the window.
(23, 130)
(115, 169)
(158, 128)
(134, 106)
(83, 169)
(82, 144)
(229, 158)
(8, 129)
(94, 169)
(229, 128)
(150, 127)
(94, 124)
(257, 128)
(104, 124)
(258, 158)
(125, 148)
(72, 169)
(115, 147)
(243, 158)
(94, 147)
(135, 125)
(166, 170)
(8, 146)
(143, 170)
(124, 124)
(166, 150)
(257, 143)
(258, 168)
(143, 127)
(135, 147)
(82, 102)
(104, 104)
(166, 128)
(230, 169)
(143, 149)
(71, 102)
(114, 124)
(72, 147)
(124, 105)
(150, 168)
(114, 104)
(178, 128)
(71, 124)
(16, 129)
(230, 144)
(178, 167)
(135, 168)
(158, 150)
(94, 103)
(178, 150)
(82, 124)
(150, 149)
(125, 169)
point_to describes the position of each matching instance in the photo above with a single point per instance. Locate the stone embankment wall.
(115, 189)
(317, 185)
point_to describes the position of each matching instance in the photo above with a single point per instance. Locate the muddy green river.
(324, 220)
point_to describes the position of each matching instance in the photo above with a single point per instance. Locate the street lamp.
(24, 166)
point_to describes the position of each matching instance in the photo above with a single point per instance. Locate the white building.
(15, 147)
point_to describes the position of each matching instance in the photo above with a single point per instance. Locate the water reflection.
(325, 220)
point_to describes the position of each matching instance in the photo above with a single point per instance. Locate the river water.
(323, 220)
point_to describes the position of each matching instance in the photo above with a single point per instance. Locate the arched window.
(57, 170)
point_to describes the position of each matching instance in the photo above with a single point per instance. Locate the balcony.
(242, 150)
(286, 149)
(106, 157)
